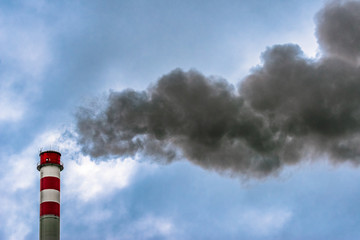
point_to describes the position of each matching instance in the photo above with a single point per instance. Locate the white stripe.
(50, 171)
(50, 195)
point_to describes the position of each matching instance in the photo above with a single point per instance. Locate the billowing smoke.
(288, 109)
(338, 29)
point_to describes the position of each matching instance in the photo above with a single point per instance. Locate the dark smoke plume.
(338, 29)
(288, 109)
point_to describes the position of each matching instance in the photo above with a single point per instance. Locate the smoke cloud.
(338, 29)
(288, 109)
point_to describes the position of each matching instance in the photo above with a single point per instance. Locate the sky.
(66, 68)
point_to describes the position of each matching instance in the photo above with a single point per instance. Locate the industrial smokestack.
(50, 167)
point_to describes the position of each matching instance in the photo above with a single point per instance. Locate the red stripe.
(50, 183)
(52, 208)
(50, 157)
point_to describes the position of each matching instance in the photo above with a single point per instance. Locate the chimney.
(50, 167)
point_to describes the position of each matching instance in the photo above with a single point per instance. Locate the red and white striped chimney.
(50, 167)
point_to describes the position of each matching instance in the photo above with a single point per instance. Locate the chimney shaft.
(50, 167)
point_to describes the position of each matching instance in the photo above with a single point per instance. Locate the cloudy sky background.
(58, 56)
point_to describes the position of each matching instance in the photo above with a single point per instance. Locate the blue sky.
(58, 56)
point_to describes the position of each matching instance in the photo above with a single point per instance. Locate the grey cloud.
(289, 108)
(338, 29)
(315, 102)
